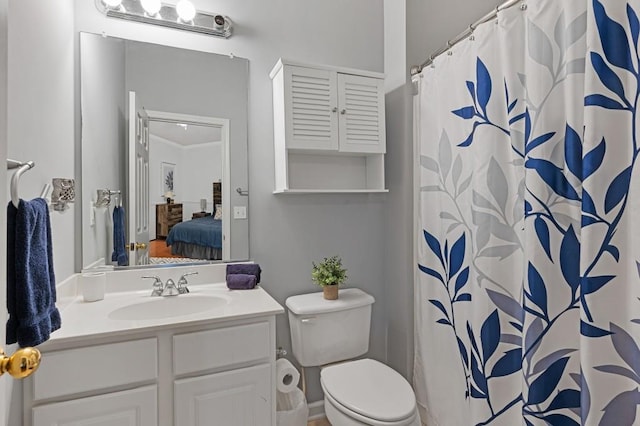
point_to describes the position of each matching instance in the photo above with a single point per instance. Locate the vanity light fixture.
(186, 10)
(152, 7)
(182, 16)
(112, 3)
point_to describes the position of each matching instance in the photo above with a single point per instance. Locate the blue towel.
(119, 252)
(31, 283)
(244, 268)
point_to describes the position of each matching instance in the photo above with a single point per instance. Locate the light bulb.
(112, 3)
(152, 7)
(186, 10)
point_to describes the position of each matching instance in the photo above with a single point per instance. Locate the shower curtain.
(528, 283)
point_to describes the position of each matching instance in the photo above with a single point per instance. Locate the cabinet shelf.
(329, 129)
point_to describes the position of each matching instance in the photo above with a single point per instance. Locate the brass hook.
(21, 364)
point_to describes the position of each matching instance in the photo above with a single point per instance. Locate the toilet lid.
(370, 389)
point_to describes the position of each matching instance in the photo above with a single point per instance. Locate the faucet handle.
(183, 277)
(157, 285)
(182, 282)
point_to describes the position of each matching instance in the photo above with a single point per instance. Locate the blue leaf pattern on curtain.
(530, 183)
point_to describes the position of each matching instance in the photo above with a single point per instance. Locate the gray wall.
(103, 133)
(41, 114)
(40, 124)
(288, 232)
(429, 24)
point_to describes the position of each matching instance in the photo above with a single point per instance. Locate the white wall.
(203, 167)
(161, 151)
(197, 167)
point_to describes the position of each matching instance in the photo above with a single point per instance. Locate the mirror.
(190, 109)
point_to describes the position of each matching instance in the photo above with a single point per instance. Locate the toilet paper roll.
(287, 376)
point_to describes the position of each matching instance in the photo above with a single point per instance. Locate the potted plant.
(329, 274)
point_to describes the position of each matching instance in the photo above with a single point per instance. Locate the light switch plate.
(239, 212)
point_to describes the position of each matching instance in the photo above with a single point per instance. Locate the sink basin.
(167, 307)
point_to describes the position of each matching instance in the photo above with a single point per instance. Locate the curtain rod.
(416, 69)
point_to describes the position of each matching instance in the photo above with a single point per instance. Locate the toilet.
(361, 392)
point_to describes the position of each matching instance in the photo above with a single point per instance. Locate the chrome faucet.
(157, 285)
(182, 283)
(170, 288)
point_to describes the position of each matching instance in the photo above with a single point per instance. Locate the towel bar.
(22, 167)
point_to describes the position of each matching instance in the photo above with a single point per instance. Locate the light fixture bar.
(203, 23)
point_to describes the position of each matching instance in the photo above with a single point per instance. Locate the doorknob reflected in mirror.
(21, 364)
(136, 246)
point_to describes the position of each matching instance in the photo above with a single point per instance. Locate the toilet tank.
(326, 331)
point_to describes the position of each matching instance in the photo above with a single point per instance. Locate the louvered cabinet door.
(311, 102)
(361, 112)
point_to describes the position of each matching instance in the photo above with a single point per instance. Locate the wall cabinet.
(220, 373)
(329, 129)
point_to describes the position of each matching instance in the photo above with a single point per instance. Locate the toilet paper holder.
(281, 353)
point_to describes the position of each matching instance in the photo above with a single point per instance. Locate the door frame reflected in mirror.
(223, 125)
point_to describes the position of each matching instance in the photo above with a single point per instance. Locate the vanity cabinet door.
(239, 397)
(136, 407)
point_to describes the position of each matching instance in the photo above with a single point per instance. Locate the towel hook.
(22, 167)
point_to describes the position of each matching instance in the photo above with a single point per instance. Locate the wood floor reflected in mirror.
(319, 422)
(159, 248)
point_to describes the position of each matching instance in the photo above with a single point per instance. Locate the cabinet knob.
(343, 111)
(334, 109)
(21, 364)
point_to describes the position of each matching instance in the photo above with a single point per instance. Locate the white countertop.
(81, 320)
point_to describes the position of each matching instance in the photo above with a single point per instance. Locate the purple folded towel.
(241, 281)
(245, 268)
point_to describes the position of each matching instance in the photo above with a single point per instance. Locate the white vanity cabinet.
(220, 373)
(237, 397)
(329, 129)
(137, 407)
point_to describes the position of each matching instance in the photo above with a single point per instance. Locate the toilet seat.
(370, 392)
